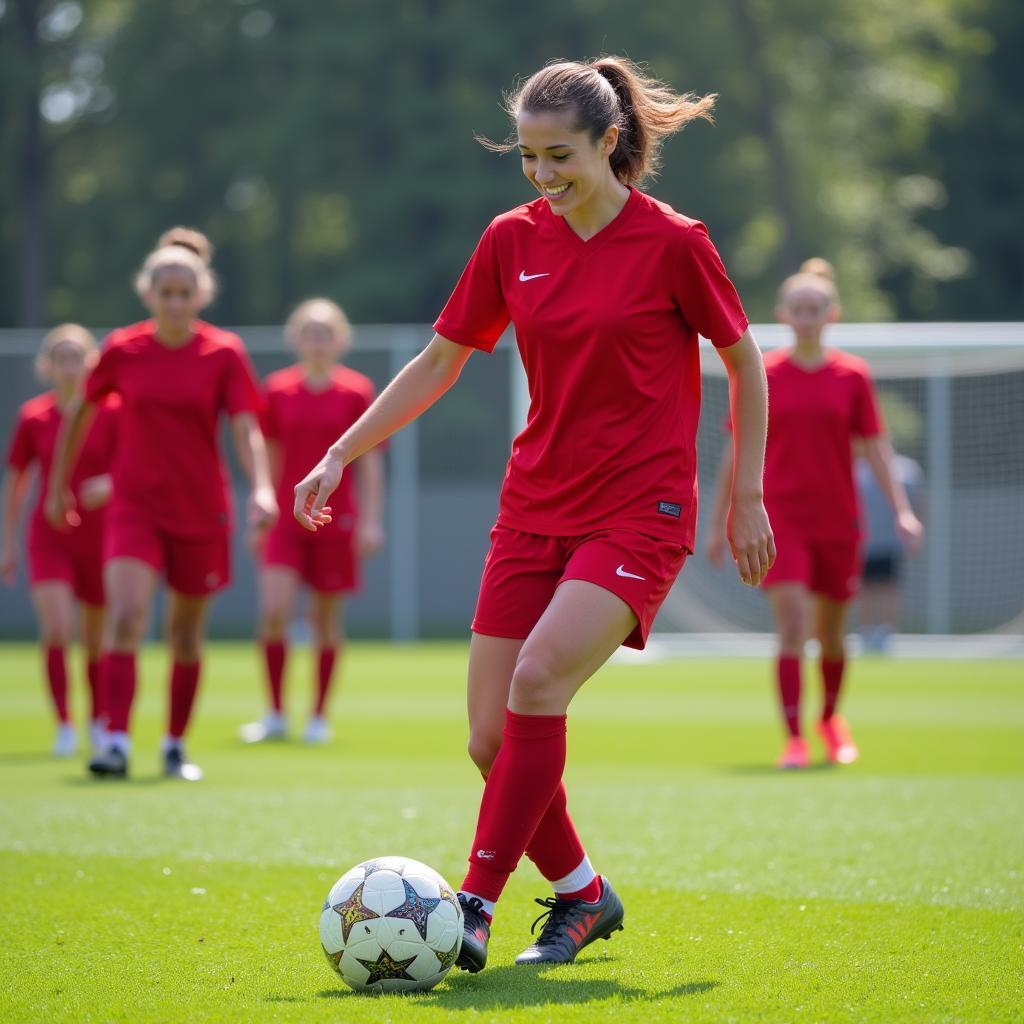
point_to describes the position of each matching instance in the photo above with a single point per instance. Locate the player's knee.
(55, 634)
(274, 623)
(833, 646)
(534, 685)
(483, 749)
(185, 641)
(127, 622)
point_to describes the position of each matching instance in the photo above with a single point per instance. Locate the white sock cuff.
(487, 905)
(582, 875)
(121, 741)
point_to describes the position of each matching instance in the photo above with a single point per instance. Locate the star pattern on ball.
(447, 959)
(335, 958)
(416, 908)
(384, 968)
(448, 896)
(353, 911)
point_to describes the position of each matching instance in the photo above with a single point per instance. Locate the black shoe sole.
(465, 963)
(105, 773)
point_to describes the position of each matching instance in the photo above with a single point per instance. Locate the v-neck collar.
(612, 228)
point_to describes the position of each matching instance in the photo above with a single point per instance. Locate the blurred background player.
(607, 289)
(170, 512)
(821, 403)
(306, 408)
(65, 566)
(879, 603)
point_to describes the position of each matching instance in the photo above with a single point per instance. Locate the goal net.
(953, 400)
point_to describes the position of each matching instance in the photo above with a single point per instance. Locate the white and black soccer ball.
(391, 925)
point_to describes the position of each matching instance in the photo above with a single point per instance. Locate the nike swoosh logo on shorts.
(621, 571)
(524, 276)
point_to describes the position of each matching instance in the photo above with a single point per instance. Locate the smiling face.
(174, 299)
(566, 166)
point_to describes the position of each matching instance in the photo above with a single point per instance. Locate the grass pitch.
(889, 891)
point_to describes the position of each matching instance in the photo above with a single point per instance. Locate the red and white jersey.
(35, 439)
(814, 415)
(168, 468)
(608, 333)
(305, 423)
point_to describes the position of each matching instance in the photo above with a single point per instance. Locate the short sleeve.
(103, 378)
(22, 450)
(867, 419)
(476, 314)
(241, 391)
(702, 290)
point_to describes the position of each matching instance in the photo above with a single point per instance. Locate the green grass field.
(889, 891)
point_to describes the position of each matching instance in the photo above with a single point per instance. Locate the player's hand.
(910, 531)
(369, 538)
(8, 567)
(261, 509)
(96, 491)
(60, 511)
(716, 546)
(311, 494)
(750, 540)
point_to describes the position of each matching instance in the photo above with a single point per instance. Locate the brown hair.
(815, 273)
(76, 334)
(323, 310)
(180, 257)
(188, 238)
(600, 93)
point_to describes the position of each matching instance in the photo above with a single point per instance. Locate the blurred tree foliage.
(328, 147)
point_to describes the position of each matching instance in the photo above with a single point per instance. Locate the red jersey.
(813, 417)
(608, 333)
(35, 439)
(305, 423)
(168, 468)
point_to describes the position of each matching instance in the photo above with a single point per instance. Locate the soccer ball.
(391, 925)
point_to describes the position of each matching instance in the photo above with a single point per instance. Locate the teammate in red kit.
(170, 513)
(821, 406)
(306, 407)
(608, 290)
(65, 566)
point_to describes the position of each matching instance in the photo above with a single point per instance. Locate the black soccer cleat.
(475, 933)
(109, 764)
(178, 766)
(571, 925)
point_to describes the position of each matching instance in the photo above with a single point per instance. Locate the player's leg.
(186, 628)
(54, 604)
(790, 603)
(130, 584)
(278, 592)
(328, 632)
(830, 629)
(91, 621)
(580, 629)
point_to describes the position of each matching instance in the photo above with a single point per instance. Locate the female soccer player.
(170, 511)
(608, 290)
(822, 404)
(306, 407)
(65, 566)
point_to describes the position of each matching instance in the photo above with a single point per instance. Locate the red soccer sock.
(57, 678)
(832, 676)
(275, 653)
(118, 671)
(520, 787)
(97, 689)
(184, 683)
(788, 670)
(555, 846)
(325, 673)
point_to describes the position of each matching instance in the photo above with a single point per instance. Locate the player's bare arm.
(420, 383)
(881, 458)
(13, 493)
(60, 502)
(748, 530)
(262, 508)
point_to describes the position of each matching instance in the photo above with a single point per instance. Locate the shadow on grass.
(26, 757)
(511, 986)
(818, 768)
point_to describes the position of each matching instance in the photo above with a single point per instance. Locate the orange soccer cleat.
(839, 745)
(796, 754)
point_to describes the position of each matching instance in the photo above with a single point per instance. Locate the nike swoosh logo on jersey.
(524, 276)
(621, 571)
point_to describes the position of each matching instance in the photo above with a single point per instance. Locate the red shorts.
(828, 567)
(522, 571)
(194, 566)
(72, 558)
(324, 561)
